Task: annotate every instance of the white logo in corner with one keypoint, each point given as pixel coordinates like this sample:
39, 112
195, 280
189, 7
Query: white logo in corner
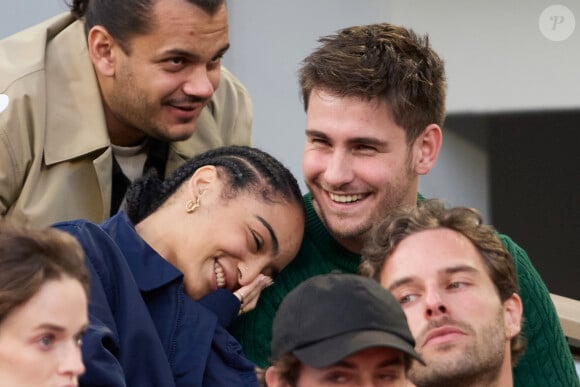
557, 23
4, 101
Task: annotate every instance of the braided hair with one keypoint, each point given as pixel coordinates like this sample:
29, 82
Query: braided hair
244, 168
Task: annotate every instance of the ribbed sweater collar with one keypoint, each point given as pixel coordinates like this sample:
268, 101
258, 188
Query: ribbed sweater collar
325, 243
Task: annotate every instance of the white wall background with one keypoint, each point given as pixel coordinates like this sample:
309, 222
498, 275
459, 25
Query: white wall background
17, 15
496, 59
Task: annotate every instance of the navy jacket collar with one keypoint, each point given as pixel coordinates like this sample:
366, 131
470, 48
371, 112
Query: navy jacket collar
150, 270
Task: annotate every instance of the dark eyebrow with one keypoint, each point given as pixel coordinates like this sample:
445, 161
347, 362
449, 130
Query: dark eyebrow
222, 50
355, 140
366, 141
460, 269
400, 282
315, 133
275, 245
189, 54
51, 327
447, 270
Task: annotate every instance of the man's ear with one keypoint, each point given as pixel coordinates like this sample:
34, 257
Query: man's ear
201, 180
273, 378
426, 149
513, 310
102, 50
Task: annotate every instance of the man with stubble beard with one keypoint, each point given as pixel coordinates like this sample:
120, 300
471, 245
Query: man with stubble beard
458, 287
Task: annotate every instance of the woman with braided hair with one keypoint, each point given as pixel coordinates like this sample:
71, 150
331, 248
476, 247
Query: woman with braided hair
227, 220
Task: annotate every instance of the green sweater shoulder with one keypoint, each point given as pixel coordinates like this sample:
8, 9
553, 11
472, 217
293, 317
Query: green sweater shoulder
547, 361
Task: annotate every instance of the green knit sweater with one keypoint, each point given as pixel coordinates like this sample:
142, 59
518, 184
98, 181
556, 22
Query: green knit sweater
546, 363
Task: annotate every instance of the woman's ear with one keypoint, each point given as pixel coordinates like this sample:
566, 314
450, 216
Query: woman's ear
102, 47
202, 179
513, 310
426, 149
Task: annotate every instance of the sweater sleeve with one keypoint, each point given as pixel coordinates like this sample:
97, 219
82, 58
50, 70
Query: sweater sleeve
547, 361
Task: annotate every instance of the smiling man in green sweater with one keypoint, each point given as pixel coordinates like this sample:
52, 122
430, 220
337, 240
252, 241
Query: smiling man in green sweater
375, 102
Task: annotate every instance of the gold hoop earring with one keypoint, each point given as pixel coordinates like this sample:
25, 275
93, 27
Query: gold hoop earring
190, 206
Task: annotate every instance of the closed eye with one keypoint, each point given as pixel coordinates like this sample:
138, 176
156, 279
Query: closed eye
319, 141
364, 147
257, 240
317, 137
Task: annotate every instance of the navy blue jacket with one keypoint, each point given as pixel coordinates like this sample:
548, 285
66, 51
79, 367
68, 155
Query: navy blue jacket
144, 330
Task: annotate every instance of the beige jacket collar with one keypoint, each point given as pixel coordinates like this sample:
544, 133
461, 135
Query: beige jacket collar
74, 110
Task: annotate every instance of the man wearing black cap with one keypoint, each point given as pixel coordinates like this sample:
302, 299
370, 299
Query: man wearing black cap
340, 329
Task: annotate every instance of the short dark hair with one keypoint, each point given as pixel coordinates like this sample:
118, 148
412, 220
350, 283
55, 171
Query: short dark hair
125, 18
383, 61
31, 257
432, 214
244, 168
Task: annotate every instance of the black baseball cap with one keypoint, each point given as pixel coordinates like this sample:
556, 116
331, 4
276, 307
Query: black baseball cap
332, 316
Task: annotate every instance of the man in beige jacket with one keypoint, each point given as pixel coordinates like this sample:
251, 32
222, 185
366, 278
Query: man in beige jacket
92, 99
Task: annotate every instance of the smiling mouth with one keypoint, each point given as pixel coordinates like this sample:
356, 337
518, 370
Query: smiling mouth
346, 198
186, 108
185, 103
219, 274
